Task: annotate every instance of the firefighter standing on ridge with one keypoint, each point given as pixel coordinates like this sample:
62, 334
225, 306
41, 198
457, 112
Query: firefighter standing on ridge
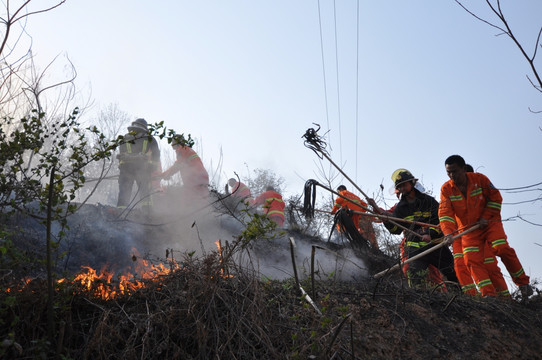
470, 198
273, 205
463, 273
417, 206
434, 275
139, 159
341, 202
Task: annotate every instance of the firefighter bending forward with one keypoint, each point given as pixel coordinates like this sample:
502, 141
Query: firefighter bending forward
273, 205
363, 226
139, 159
470, 198
193, 173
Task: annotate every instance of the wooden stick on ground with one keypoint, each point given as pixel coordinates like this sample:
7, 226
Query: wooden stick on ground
292, 253
303, 292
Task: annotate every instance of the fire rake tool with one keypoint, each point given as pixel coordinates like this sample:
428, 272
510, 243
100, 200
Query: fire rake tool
380, 216
314, 142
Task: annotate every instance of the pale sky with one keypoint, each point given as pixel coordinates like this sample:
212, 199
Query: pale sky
247, 78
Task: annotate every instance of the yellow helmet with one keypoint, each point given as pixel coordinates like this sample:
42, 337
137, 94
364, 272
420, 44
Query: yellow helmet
401, 176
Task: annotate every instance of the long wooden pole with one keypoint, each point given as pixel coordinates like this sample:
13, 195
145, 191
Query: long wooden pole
430, 250
384, 216
366, 208
343, 173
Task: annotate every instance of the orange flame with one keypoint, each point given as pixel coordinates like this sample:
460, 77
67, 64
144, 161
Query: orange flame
101, 284
105, 285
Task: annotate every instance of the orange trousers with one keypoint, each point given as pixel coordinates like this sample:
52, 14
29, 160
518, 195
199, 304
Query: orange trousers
464, 275
473, 245
365, 227
496, 239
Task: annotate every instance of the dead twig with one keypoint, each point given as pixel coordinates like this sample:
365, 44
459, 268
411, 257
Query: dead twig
449, 302
335, 334
309, 300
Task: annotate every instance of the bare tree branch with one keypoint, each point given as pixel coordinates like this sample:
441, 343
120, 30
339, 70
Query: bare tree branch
508, 31
35, 12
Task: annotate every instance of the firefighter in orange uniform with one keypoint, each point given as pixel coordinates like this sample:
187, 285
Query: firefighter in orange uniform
193, 174
273, 205
463, 273
470, 198
356, 204
239, 190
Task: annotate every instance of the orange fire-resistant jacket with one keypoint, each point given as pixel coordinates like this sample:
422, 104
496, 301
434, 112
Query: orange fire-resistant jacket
188, 162
272, 203
341, 202
482, 200
240, 190
356, 206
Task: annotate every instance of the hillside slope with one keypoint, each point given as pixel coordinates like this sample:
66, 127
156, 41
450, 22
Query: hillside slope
199, 313
209, 306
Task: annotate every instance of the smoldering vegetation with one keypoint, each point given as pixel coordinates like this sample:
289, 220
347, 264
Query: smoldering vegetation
103, 237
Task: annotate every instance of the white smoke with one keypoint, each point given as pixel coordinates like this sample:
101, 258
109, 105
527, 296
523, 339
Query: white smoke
273, 259
184, 223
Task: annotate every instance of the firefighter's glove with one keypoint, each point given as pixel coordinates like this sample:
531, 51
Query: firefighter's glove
483, 223
448, 239
426, 238
165, 177
373, 204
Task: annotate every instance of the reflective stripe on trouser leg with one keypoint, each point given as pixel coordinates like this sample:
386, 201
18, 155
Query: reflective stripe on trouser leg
496, 239
461, 270
509, 258
495, 275
474, 259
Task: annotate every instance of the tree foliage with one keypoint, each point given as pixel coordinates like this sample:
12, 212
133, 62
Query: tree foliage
33, 149
262, 179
